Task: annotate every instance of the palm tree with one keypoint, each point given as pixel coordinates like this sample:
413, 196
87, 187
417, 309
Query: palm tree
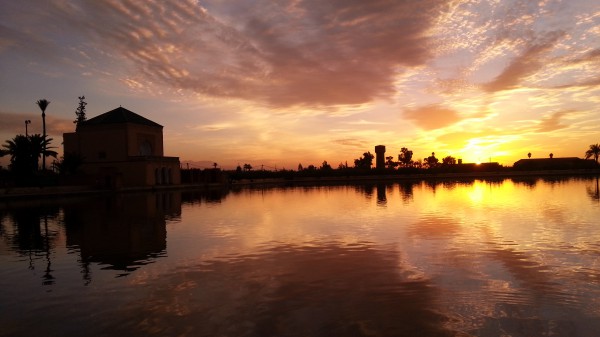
40, 147
594, 151
43, 104
25, 152
19, 150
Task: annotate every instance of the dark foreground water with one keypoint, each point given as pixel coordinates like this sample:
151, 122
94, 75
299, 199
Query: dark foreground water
474, 258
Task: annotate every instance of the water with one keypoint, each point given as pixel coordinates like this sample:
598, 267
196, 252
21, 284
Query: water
470, 258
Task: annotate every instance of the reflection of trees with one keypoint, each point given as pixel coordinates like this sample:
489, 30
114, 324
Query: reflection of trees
528, 182
215, 195
431, 184
553, 180
406, 190
31, 235
447, 184
366, 190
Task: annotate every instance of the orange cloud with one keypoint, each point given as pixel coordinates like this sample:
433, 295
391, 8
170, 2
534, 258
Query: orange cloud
299, 54
432, 117
552, 122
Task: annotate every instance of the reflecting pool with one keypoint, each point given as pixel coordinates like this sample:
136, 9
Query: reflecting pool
506, 257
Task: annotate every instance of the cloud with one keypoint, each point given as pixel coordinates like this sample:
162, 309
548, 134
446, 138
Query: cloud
527, 63
552, 122
14, 124
215, 127
308, 53
432, 116
593, 82
352, 142
365, 122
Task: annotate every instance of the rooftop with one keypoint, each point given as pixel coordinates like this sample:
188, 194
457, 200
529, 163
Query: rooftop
118, 116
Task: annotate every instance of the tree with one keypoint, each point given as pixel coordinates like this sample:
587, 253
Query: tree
43, 104
390, 163
366, 161
300, 168
325, 166
405, 157
247, 167
40, 147
19, 150
529, 155
70, 163
449, 160
593, 151
25, 152
80, 112
431, 161
551, 155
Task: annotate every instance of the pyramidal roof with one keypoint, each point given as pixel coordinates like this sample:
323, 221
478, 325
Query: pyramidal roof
118, 116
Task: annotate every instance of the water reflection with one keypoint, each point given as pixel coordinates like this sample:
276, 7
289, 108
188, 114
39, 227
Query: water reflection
529, 182
406, 190
121, 232
594, 191
382, 194
318, 289
30, 236
446, 258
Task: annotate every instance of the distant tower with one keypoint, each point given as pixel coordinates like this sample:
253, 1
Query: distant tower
380, 156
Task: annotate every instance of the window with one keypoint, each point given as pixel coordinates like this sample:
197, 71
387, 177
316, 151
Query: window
145, 148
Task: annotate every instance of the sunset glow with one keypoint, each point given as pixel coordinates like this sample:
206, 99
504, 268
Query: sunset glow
274, 84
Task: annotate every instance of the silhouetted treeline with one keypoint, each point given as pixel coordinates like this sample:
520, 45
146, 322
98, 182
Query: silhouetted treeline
313, 172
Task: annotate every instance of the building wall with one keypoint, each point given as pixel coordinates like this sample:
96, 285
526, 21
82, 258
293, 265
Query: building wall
100, 143
140, 137
138, 171
125, 154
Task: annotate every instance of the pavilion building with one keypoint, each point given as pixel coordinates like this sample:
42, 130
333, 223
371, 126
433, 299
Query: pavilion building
122, 149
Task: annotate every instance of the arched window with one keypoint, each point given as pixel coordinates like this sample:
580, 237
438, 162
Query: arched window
145, 148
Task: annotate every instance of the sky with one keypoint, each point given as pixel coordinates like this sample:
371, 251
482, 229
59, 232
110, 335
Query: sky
278, 83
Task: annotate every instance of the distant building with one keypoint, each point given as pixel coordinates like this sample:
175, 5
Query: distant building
567, 163
380, 156
122, 148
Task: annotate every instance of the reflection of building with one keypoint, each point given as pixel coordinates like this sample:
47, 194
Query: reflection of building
567, 163
380, 156
121, 232
122, 148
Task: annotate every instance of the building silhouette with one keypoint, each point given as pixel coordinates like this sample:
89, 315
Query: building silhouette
566, 163
120, 149
380, 156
